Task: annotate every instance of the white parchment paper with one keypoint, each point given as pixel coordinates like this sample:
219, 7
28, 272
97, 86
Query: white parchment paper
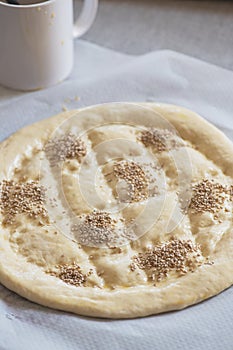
99, 76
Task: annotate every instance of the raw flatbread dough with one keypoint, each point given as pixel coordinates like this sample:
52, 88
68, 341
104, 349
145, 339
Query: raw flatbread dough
140, 172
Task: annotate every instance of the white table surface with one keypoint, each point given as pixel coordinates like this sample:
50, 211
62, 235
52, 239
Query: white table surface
203, 29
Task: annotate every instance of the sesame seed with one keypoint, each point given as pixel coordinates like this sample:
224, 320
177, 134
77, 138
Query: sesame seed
96, 229
175, 255
99, 219
133, 174
64, 107
70, 274
65, 147
160, 139
21, 198
208, 196
99, 229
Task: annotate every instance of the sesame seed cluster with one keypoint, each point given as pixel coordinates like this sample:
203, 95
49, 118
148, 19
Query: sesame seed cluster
21, 198
209, 196
175, 255
133, 174
161, 139
100, 219
99, 229
96, 229
71, 274
65, 147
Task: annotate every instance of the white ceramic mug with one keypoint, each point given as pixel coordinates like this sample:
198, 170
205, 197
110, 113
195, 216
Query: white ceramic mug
36, 41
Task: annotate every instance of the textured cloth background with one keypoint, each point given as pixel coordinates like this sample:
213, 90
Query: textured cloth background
100, 76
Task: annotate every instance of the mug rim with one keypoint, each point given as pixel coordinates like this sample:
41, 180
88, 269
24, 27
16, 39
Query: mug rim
39, 4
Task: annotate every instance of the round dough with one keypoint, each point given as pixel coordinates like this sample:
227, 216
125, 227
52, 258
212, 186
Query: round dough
113, 279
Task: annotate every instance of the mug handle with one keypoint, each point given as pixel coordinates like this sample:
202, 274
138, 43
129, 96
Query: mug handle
86, 18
